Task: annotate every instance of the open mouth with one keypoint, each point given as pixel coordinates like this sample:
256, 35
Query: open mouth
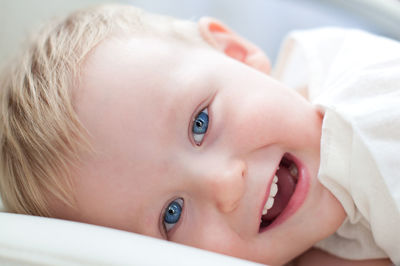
281, 191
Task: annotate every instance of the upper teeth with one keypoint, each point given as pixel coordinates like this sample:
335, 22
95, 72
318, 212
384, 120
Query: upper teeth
272, 192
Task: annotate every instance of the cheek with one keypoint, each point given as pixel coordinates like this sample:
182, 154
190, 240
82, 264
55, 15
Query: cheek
207, 229
294, 124
254, 121
217, 239
224, 241
329, 210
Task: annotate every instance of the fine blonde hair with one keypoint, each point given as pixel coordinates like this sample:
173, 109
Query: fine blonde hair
41, 135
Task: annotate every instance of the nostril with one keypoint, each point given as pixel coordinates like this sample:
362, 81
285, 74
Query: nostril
244, 171
244, 174
243, 168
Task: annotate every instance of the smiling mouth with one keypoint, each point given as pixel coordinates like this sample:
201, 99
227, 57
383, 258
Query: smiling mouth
281, 191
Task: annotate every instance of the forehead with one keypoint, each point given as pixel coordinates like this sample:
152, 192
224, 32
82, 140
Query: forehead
142, 66
121, 81
145, 61
136, 87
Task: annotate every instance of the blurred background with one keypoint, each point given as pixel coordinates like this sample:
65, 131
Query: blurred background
264, 22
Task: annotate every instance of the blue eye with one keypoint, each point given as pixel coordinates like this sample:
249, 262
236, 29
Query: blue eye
172, 214
200, 126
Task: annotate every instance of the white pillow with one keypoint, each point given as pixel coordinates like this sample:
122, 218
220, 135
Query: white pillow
30, 240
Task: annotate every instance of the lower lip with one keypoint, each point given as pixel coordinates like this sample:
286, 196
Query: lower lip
298, 197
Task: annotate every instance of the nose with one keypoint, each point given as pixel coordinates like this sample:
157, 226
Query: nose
226, 185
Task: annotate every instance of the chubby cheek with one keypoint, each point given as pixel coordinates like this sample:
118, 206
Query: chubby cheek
257, 120
224, 242
207, 229
215, 239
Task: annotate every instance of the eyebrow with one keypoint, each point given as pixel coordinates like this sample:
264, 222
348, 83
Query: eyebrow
182, 103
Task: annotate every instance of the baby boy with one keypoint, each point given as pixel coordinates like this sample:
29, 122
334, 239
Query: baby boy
177, 130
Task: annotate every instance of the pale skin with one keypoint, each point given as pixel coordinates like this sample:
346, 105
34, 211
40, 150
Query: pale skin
138, 98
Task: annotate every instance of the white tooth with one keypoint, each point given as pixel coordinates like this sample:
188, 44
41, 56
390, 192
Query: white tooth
265, 210
273, 190
269, 203
293, 170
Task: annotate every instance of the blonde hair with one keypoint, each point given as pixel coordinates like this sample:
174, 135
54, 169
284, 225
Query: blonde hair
41, 135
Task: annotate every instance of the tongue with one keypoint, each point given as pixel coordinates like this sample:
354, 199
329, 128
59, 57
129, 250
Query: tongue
286, 185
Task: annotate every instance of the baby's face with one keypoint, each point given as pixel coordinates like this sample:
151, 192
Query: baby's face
188, 143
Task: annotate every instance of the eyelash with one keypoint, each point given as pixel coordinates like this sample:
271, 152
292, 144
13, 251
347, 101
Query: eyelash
198, 121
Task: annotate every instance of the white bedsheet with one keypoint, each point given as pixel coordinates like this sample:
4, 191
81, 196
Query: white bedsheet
30, 240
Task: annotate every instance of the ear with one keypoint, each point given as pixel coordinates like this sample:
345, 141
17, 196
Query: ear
224, 39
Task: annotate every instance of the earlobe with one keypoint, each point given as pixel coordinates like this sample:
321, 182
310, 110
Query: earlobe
233, 45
